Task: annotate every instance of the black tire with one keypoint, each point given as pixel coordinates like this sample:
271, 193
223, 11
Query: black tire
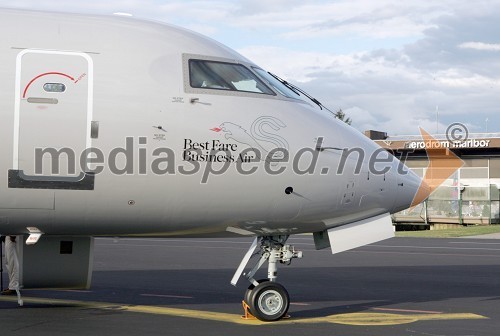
249, 290
269, 301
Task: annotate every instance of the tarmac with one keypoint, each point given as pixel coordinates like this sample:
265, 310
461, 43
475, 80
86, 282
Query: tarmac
401, 286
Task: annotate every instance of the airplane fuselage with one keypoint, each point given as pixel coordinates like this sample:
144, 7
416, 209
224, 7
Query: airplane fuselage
140, 147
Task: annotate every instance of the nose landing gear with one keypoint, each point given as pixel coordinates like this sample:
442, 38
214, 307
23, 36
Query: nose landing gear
266, 299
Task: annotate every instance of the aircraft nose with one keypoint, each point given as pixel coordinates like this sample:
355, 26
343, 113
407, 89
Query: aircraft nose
411, 191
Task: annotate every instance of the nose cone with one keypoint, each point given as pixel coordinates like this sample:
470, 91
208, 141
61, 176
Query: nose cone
411, 191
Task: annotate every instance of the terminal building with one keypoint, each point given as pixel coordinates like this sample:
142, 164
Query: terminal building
469, 197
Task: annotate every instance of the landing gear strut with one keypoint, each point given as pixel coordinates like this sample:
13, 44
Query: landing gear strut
267, 300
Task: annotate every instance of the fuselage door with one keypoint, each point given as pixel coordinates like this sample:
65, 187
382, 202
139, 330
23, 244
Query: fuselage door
53, 112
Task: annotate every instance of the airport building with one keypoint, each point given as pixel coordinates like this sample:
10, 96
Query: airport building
469, 196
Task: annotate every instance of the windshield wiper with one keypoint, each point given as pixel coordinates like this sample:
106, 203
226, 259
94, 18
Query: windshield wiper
284, 82
296, 90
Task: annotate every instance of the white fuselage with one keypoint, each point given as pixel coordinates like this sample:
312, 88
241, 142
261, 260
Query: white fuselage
128, 95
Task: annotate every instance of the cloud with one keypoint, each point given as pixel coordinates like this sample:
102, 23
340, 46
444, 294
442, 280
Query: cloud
294, 65
90, 6
387, 64
255, 7
480, 46
401, 86
353, 19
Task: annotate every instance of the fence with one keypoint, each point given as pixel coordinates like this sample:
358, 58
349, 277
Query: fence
465, 198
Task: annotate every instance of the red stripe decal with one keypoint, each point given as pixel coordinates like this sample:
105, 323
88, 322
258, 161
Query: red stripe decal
45, 74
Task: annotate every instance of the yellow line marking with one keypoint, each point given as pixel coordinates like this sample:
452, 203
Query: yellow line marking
359, 319
197, 314
156, 310
381, 319
395, 310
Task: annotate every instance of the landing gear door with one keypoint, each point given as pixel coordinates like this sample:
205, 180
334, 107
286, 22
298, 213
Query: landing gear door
53, 113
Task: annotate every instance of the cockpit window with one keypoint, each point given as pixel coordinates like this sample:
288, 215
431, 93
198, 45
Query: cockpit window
225, 76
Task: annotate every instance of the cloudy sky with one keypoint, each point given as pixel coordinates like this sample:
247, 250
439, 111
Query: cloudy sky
390, 65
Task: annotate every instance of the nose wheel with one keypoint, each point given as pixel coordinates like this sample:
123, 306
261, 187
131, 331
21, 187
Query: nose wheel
266, 299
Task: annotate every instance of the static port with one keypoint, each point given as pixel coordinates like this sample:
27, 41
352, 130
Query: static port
288, 190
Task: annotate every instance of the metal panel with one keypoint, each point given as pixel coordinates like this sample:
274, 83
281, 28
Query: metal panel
29, 199
46, 265
363, 232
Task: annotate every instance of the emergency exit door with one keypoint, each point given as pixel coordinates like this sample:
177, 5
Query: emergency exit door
53, 112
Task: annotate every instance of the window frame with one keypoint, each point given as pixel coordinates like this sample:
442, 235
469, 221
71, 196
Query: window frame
223, 92
232, 87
